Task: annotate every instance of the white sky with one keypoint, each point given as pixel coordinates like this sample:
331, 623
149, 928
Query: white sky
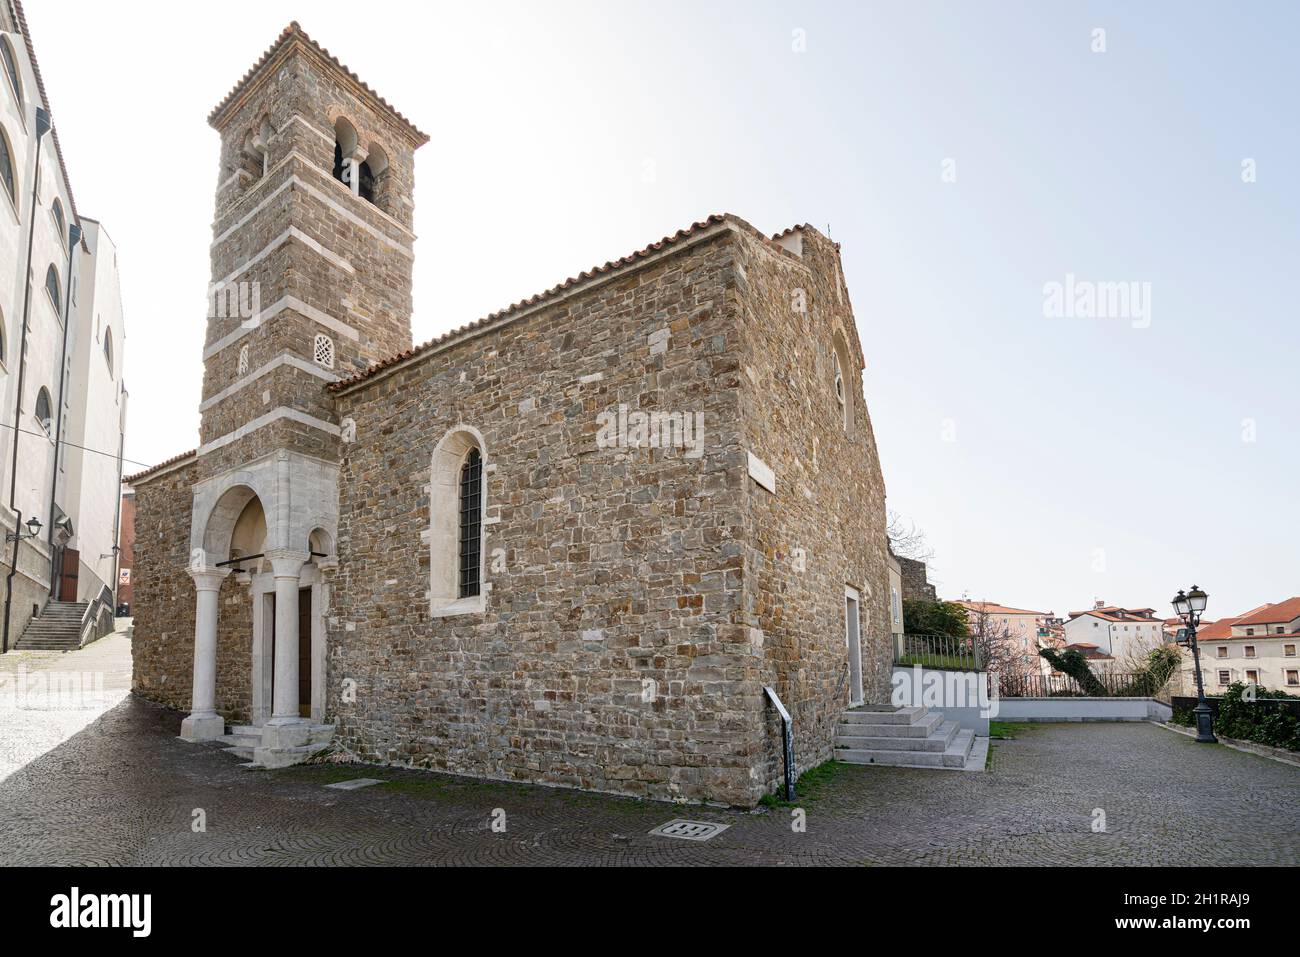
1091, 458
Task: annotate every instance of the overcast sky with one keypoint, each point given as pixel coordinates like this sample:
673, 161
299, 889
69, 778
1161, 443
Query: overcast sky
964, 155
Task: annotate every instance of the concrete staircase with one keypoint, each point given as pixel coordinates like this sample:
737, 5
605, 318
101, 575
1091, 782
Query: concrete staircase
903, 737
245, 741
58, 628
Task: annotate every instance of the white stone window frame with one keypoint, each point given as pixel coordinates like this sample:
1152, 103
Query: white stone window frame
442, 537
322, 351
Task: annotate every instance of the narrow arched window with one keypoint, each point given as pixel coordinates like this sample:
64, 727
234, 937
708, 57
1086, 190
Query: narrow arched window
7, 168
471, 524
11, 68
241, 367
52, 287
57, 210
44, 411
108, 349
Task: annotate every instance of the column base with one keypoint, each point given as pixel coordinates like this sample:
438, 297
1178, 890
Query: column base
289, 733
202, 727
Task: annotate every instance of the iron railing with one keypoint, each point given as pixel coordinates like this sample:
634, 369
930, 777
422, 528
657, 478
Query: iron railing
938, 651
1102, 685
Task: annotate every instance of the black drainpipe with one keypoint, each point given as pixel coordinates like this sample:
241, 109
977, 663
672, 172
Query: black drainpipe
42, 127
74, 237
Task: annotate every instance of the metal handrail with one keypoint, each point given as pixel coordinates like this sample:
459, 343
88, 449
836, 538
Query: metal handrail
939, 651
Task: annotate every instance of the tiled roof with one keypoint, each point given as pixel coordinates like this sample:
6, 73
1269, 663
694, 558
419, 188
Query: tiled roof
993, 608
592, 273
295, 33
1277, 614
130, 479
1116, 613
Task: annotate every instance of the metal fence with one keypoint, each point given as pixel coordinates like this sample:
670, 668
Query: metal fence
937, 651
1103, 685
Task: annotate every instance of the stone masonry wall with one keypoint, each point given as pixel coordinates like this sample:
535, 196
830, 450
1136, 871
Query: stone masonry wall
824, 527
915, 583
162, 648
610, 655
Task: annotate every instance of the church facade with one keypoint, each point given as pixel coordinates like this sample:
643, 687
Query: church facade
571, 543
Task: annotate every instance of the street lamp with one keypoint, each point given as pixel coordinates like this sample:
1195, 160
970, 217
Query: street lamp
1189, 606
33, 529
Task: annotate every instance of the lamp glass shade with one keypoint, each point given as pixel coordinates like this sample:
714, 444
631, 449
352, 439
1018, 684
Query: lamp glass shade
34, 526
1181, 604
1197, 599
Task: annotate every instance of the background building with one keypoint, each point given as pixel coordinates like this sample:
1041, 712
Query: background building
1257, 647
1127, 635
62, 398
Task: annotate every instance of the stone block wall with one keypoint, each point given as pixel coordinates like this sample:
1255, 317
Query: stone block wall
162, 648
610, 656
824, 526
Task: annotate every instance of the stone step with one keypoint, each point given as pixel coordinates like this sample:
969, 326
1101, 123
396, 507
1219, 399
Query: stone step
928, 724
899, 716
240, 752
956, 753
241, 740
939, 741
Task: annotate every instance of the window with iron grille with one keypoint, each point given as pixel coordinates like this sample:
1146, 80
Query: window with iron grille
471, 522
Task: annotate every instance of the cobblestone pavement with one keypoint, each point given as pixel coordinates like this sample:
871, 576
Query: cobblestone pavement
124, 790
48, 696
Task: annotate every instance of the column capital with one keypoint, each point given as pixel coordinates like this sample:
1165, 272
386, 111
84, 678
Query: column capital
287, 563
208, 577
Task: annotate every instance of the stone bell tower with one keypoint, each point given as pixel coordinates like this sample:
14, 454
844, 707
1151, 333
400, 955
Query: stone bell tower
311, 282
311, 253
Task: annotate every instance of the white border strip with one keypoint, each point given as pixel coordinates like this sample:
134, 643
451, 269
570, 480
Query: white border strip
287, 302
290, 360
275, 415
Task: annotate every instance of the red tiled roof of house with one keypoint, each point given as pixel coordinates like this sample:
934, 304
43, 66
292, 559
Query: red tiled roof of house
1116, 613
1281, 613
993, 608
295, 33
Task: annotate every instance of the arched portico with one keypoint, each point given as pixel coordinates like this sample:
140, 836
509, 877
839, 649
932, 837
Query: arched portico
243, 525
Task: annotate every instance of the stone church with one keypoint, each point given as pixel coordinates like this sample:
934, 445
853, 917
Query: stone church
570, 543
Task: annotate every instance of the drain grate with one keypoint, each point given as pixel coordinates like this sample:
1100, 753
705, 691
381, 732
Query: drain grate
690, 830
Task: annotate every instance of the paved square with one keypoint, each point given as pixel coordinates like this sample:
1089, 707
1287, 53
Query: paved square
123, 790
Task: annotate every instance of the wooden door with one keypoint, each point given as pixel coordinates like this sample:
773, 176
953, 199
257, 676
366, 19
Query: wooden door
304, 652
68, 572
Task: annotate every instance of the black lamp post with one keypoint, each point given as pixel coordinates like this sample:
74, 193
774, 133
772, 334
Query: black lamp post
1189, 607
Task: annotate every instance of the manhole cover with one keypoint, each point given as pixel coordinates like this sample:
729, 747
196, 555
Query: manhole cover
690, 830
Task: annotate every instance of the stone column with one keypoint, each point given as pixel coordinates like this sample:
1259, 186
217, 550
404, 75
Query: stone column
287, 726
354, 169
203, 723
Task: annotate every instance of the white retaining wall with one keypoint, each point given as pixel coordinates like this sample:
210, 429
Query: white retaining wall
1082, 709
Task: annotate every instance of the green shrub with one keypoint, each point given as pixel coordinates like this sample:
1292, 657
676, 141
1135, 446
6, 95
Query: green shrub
1259, 720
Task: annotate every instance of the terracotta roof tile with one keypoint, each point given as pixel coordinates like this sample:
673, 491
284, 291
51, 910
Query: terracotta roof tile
294, 32
128, 479
592, 273
1277, 614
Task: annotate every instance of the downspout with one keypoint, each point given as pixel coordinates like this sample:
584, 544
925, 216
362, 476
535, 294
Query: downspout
117, 516
74, 237
42, 127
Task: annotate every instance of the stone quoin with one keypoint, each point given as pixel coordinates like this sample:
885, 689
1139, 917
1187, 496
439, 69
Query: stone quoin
471, 577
